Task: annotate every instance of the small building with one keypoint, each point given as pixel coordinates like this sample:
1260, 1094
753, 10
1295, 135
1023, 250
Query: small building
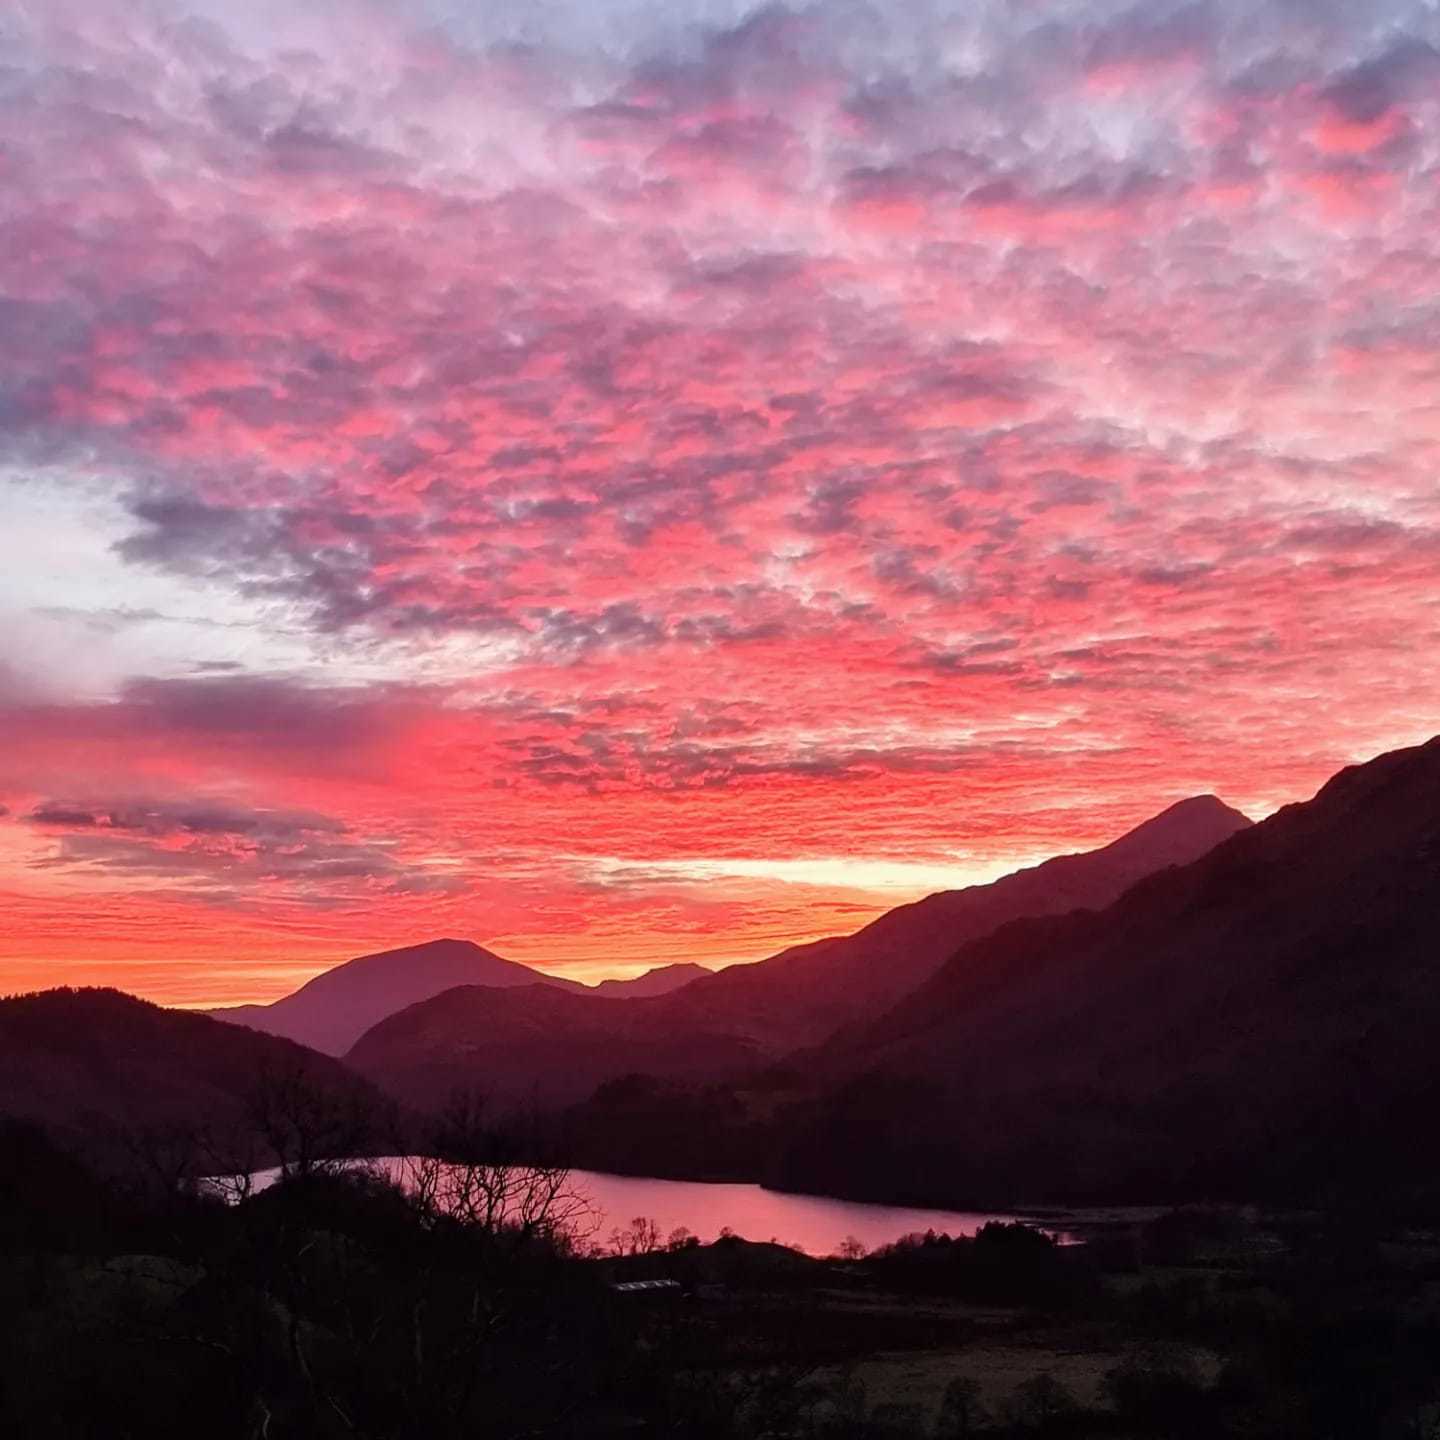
646, 1287
646, 1291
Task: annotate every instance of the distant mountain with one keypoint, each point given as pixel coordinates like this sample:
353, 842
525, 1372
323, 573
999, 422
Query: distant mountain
795, 998
659, 981
539, 1047
802, 995
556, 1050
333, 1010
84, 1064
1261, 1021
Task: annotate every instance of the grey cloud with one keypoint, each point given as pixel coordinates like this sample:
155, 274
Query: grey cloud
1175, 575
170, 817
62, 815
270, 710
619, 624
602, 760
270, 553
901, 569
1365, 91
316, 872
226, 849
1057, 489
829, 507
725, 629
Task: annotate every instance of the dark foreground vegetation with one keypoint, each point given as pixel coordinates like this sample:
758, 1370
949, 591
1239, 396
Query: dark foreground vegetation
475, 1301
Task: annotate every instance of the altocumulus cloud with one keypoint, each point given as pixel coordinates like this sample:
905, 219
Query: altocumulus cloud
1017, 418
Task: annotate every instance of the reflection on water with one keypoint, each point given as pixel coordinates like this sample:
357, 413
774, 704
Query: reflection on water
813, 1223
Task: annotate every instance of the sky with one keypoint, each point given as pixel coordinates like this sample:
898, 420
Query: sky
634, 483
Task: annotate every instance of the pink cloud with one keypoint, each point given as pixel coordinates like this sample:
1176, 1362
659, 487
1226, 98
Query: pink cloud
830, 436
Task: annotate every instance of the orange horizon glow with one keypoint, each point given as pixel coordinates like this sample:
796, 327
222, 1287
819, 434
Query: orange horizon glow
214, 958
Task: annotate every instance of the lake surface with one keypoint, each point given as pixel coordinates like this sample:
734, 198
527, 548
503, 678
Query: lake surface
815, 1224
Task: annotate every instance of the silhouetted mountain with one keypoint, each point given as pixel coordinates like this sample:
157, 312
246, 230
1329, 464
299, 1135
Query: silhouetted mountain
802, 995
796, 998
1259, 1021
555, 1051
538, 1046
85, 1064
333, 1010
659, 981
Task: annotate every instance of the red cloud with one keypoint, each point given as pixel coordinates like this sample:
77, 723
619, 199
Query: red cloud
829, 437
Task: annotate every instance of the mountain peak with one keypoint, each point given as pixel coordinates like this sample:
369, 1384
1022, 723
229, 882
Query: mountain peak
1284, 983
1197, 809
441, 945
1188, 828
332, 1010
1207, 801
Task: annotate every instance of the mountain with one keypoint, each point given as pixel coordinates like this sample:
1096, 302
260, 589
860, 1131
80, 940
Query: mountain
86, 1064
553, 1050
539, 1047
802, 995
332, 1011
1258, 1022
659, 981
795, 998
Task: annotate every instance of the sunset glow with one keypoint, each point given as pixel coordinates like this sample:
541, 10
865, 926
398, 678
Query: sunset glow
630, 484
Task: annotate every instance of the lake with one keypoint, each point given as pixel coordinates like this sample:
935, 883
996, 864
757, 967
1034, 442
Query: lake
815, 1224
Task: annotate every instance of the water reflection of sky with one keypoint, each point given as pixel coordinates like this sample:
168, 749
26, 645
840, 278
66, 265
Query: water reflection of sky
817, 1224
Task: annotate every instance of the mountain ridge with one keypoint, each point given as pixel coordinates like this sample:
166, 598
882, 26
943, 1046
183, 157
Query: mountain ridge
536, 1047
711, 1029
1254, 1019
898, 950
658, 980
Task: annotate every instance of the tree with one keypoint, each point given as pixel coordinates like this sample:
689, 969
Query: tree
641, 1238
471, 1174
309, 1126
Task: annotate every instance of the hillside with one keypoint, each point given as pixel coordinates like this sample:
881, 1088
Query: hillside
87, 1065
802, 995
537, 1046
1261, 1020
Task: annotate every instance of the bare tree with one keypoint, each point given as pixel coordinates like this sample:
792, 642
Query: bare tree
228, 1156
159, 1162
308, 1126
642, 1237
473, 1174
